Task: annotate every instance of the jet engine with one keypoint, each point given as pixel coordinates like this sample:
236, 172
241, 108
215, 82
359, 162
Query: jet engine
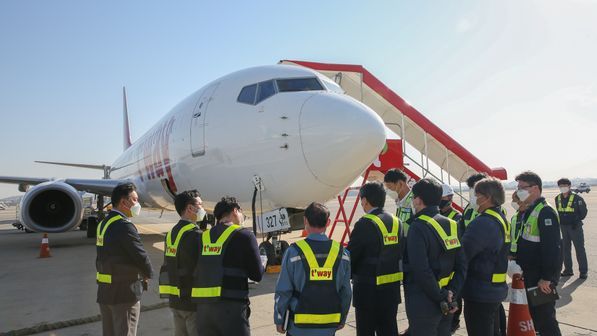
51, 207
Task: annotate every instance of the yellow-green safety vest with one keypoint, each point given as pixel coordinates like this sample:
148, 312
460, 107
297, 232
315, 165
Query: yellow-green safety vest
404, 215
102, 227
450, 241
388, 239
166, 286
568, 207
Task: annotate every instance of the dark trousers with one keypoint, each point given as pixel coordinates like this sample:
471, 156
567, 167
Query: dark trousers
223, 318
430, 326
544, 316
480, 317
372, 321
574, 236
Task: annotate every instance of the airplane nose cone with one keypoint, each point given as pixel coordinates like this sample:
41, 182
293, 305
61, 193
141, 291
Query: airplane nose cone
340, 138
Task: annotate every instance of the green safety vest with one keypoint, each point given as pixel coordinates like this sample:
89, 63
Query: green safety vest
403, 214
469, 215
530, 228
169, 284
102, 227
568, 207
513, 233
452, 214
319, 285
209, 285
451, 242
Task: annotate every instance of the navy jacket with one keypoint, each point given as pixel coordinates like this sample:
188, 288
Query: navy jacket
483, 241
580, 210
542, 257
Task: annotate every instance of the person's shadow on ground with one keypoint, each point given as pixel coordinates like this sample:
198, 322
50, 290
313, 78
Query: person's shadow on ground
566, 292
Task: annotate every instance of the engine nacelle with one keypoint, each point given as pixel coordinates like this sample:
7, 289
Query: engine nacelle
51, 207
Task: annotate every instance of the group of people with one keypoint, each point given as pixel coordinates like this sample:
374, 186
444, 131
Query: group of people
447, 262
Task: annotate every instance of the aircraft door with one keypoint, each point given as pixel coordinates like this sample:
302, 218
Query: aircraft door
198, 121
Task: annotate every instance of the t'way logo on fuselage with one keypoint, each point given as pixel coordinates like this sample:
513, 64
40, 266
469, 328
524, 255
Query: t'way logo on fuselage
321, 273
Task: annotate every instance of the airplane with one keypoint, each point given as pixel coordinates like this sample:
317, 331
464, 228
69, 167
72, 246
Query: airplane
2, 206
276, 137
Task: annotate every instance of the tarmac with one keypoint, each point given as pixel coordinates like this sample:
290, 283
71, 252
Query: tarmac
59, 293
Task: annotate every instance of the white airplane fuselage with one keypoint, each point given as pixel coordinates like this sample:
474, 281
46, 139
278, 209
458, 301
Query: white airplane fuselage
304, 145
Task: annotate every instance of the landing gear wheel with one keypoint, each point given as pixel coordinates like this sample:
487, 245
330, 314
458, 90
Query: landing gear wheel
268, 249
91, 227
83, 226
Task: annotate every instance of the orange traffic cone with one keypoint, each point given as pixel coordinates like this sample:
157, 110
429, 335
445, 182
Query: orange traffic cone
44, 252
520, 322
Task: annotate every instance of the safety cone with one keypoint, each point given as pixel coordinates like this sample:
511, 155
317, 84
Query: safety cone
44, 251
520, 322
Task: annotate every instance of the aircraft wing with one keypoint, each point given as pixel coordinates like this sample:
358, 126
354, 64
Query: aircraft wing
95, 186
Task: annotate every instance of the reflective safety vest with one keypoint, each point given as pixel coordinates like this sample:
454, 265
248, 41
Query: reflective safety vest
469, 215
500, 266
104, 264
516, 231
170, 273
450, 244
405, 211
452, 214
387, 265
210, 271
568, 208
530, 228
319, 304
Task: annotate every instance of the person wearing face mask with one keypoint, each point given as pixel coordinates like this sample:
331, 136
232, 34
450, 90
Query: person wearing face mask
445, 205
123, 267
539, 249
572, 210
180, 258
486, 244
470, 212
437, 267
516, 223
376, 247
228, 256
397, 188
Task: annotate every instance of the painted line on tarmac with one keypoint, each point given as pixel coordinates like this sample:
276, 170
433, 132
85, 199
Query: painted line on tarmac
70, 323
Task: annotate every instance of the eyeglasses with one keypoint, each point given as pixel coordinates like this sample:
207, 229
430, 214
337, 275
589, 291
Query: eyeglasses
526, 187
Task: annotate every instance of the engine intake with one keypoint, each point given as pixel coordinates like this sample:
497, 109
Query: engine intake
51, 207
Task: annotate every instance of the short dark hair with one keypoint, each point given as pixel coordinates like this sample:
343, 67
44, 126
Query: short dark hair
317, 215
564, 181
121, 191
185, 198
394, 175
471, 180
429, 191
492, 188
530, 178
225, 206
375, 194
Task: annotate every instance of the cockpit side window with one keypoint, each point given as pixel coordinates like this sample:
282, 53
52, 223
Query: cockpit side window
266, 90
299, 84
247, 94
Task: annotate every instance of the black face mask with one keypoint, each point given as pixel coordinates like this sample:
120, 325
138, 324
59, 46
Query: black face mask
444, 203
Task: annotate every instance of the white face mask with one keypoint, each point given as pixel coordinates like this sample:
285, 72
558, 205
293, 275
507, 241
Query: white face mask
201, 214
391, 194
564, 190
522, 194
135, 210
515, 206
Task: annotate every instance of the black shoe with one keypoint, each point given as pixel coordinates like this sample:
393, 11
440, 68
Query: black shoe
567, 273
583, 275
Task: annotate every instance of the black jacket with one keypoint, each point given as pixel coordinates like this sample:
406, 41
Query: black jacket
575, 218
186, 255
124, 255
542, 257
365, 244
426, 257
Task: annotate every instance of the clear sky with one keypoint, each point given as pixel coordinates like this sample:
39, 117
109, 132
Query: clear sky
514, 81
